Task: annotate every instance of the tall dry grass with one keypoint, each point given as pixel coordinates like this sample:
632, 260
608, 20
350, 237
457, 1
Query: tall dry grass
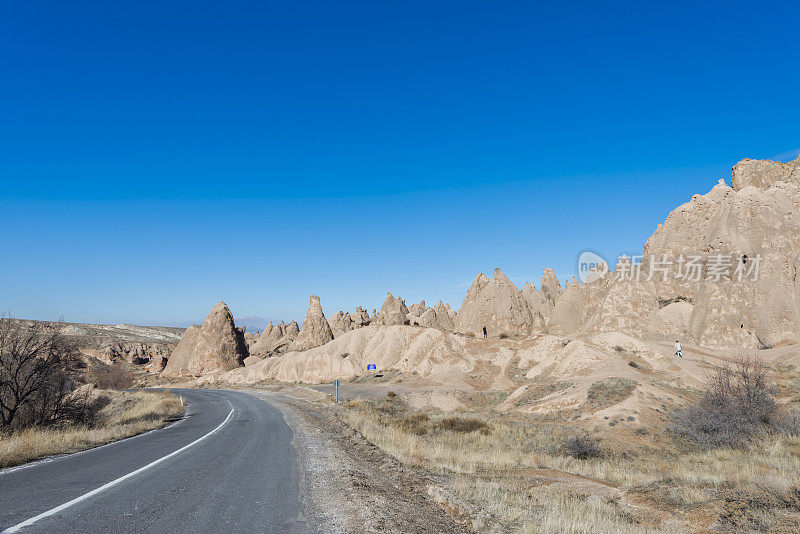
521, 474
128, 414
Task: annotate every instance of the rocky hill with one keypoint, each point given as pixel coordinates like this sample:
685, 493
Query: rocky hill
719, 273
138, 345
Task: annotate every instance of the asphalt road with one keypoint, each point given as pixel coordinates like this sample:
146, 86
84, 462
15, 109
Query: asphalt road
228, 466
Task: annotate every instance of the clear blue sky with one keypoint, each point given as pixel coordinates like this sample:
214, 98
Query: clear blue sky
156, 157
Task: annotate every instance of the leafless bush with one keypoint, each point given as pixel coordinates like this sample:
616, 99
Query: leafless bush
737, 405
37, 372
582, 447
115, 376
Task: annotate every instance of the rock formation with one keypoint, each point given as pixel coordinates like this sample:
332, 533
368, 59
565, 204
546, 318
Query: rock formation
748, 234
444, 316
316, 331
340, 323
551, 290
135, 353
393, 311
756, 220
360, 318
499, 306
763, 174
418, 309
216, 345
754, 223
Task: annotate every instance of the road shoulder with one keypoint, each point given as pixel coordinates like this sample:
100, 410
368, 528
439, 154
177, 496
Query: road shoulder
350, 485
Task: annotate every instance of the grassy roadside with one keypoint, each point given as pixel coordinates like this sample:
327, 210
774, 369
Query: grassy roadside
127, 414
520, 472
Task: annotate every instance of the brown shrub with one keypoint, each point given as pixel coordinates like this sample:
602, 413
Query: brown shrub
116, 376
738, 404
464, 425
792, 498
582, 447
416, 424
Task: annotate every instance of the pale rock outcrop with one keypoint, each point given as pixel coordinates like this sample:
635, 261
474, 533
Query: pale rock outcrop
422, 350
551, 290
393, 311
536, 301
216, 345
764, 173
499, 306
341, 322
418, 309
444, 316
757, 218
575, 306
316, 331
135, 353
671, 322
626, 307
252, 360
275, 338
292, 330
430, 319
360, 318
250, 339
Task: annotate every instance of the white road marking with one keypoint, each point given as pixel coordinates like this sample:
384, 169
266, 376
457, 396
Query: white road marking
104, 487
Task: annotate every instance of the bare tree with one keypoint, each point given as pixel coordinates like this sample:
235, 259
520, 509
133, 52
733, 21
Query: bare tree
37, 372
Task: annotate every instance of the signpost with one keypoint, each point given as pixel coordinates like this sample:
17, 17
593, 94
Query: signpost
371, 367
336, 385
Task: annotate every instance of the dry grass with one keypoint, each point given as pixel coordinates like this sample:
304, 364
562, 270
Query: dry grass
521, 474
609, 392
128, 414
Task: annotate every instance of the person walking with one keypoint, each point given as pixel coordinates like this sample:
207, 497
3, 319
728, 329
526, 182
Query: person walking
484, 333
678, 350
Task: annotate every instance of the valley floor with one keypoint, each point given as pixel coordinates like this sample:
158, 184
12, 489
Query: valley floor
510, 472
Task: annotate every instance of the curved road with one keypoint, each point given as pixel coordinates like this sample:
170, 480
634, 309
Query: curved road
228, 466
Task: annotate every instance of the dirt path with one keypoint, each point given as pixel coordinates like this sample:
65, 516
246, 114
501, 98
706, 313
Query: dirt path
350, 485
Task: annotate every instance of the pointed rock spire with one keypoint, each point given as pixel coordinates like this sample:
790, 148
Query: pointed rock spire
216, 345
316, 331
393, 311
498, 305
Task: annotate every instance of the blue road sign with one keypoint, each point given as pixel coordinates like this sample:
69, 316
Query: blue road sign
371, 367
